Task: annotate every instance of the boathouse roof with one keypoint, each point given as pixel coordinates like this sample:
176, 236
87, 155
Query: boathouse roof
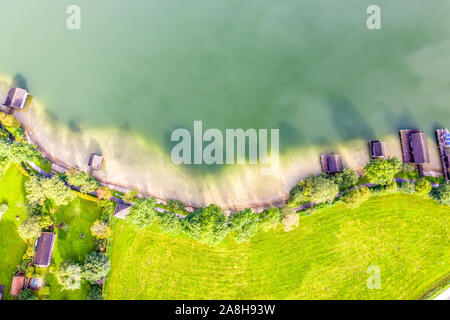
95, 161
44, 249
419, 148
377, 149
16, 98
331, 163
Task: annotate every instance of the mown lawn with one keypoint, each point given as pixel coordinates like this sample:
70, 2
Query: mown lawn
326, 257
12, 247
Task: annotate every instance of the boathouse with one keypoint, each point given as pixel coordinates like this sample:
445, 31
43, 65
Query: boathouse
331, 163
44, 249
95, 161
414, 146
377, 149
16, 98
18, 283
122, 210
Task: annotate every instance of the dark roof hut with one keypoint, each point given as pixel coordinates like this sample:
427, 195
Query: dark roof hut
95, 161
18, 282
16, 98
122, 210
44, 249
377, 149
331, 163
419, 148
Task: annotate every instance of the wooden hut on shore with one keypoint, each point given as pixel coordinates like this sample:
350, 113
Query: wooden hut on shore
16, 98
95, 161
18, 283
122, 210
443, 138
414, 148
44, 249
377, 149
331, 163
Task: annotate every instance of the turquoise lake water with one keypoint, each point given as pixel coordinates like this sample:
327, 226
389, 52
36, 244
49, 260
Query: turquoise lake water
310, 68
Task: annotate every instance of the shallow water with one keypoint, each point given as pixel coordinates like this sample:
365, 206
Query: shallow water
310, 68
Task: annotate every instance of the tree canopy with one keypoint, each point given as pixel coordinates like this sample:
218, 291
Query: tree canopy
382, 171
143, 213
39, 189
30, 228
69, 275
83, 180
244, 225
101, 230
96, 267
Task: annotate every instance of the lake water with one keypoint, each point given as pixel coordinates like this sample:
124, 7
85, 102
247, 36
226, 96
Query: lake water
310, 68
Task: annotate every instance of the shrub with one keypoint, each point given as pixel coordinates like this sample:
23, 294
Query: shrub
39, 189
143, 213
104, 193
407, 187
175, 205
83, 180
290, 219
26, 294
270, 219
208, 225
355, 197
9, 121
423, 187
443, 193
131, 196
100, 230
244, 225
382, 171
391, 186
69, 276
29, 229
95, 293
323, 189
170, 223
346, 179
96, 267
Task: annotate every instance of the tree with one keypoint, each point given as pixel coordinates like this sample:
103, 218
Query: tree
9, 121
391, 186
69, 275
355, 197
83, 180
207, 225
131, 196
323, 189
244, 225
301, 193
104, 193
175, 205
270, 219
345, 179
95, 293
407, 187
29, 229
443, 193
96, 267
26, 294
168, 222
289, 219
23, 152
423, 187
143, 213
382, 171
39, 189
100, 230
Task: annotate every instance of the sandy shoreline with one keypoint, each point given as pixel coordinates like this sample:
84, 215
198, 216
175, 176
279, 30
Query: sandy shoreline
131, 161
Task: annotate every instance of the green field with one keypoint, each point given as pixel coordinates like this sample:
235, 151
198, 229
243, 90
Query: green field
326, 257
78, 216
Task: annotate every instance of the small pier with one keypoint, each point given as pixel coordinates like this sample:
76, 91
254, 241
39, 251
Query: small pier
441, 135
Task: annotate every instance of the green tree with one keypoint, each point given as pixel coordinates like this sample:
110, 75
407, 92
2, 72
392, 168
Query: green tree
95, 293
131, 196
323, 189
355, 197
382, 171
26, 294
346, 179
168, 222
96, 267
175, 205
143, 213
100, 230
244, 225
69, 275
423, 187
104, 193
207, 225
391, 186
443, 193
83, 180
39, 189
407, 187
23, 152
270, 219
30, 228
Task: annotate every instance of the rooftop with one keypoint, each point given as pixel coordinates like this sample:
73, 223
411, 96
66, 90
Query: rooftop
16, 98
44, 249
122, 210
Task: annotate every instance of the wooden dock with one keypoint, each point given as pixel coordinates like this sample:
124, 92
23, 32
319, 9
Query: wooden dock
444, 156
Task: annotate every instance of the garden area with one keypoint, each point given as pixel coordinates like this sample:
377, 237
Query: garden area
325, 257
